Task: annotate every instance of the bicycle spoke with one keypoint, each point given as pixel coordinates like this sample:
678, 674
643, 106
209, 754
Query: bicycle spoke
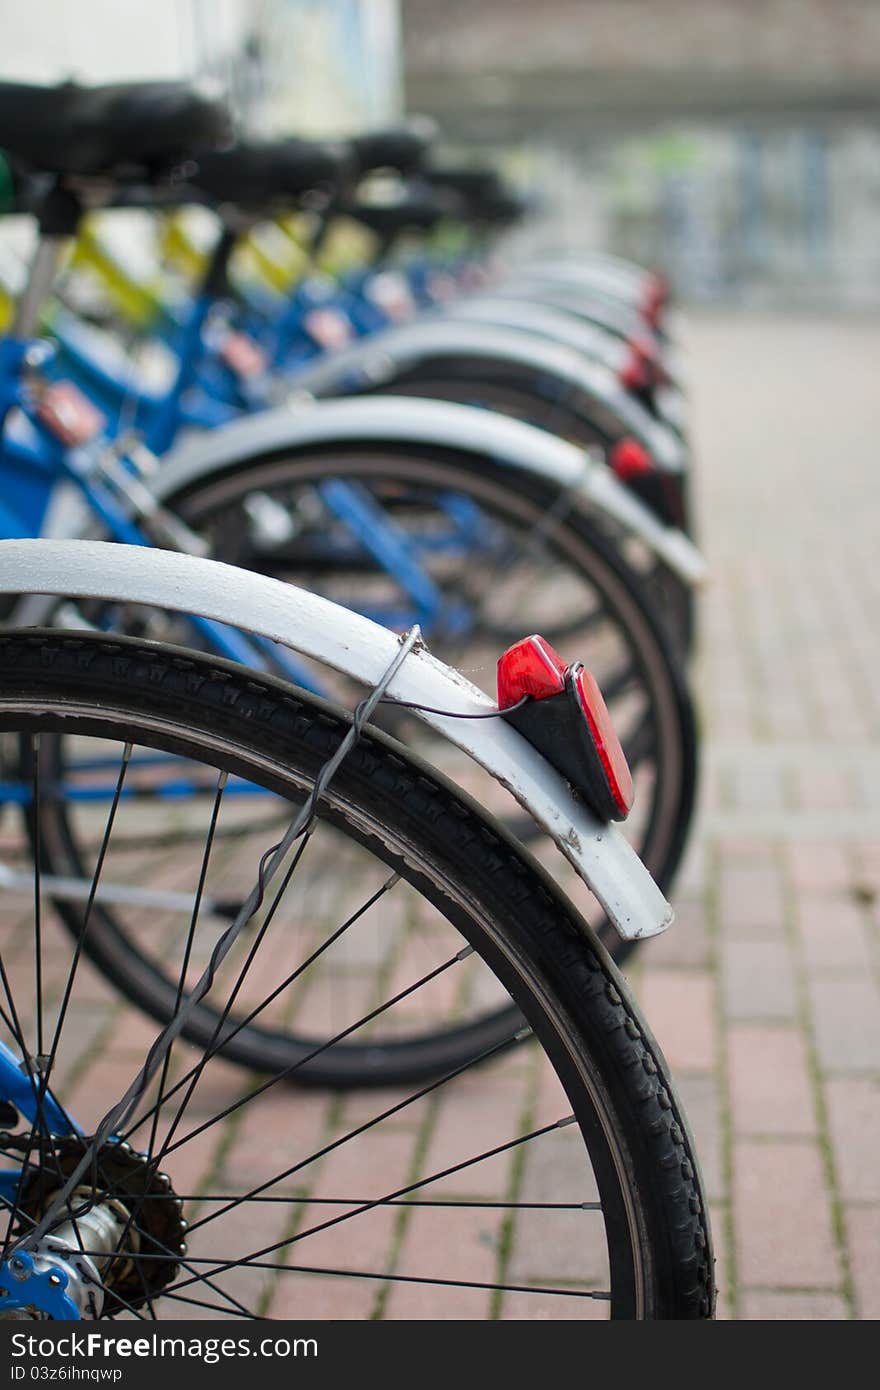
369, 1206
571, 1290
454, 1203
346, 1138
38, 896
38, 1088
121, 1113
190, 937
220, 1039
93, 888
324, 1047
212, 1307
603, 1295
213, 1049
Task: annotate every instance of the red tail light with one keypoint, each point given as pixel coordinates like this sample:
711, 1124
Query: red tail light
655, 300
68, 414
641, 369
530, 667
566, 719
605, 741
243, 356
629, 459
635, 374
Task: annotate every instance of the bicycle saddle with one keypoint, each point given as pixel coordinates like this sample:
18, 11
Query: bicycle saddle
135, 127
483, 194
402, 149
468, 181
417, 211
257, 172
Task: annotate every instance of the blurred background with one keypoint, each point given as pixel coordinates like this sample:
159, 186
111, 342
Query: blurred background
735, 143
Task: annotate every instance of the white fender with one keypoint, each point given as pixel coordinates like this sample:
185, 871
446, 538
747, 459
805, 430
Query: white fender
554, 322
386, 355
505, 311
408, 419
611, 274
362, 650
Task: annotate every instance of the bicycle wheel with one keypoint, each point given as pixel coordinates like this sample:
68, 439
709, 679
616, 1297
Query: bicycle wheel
574, 587
529, 558
291, 1210
586, 425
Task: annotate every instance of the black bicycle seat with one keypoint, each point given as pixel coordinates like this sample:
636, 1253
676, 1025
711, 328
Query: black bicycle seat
402, 149
468, 181
269, 171
108, 131
504, 208
415, 212
482, 193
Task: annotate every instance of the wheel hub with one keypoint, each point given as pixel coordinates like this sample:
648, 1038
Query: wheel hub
117, 1249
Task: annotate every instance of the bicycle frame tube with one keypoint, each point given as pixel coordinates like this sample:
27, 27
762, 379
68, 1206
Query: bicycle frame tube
351, 644
34, 468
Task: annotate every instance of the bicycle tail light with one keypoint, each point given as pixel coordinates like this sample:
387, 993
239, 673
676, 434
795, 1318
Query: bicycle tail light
559, 709
655, 299
629, 459
659, 490
642, 369
635, 373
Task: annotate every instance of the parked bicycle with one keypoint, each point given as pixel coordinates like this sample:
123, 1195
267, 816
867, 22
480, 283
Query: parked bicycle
103, 1221
404, 510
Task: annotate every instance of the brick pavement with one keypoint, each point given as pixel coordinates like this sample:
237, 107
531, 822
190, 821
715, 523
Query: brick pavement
765, 994
778, 905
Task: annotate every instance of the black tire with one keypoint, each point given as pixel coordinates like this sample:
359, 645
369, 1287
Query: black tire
581, 423
579, 537
213, 507
471, 871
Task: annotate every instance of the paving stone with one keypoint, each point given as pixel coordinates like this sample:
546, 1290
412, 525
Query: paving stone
686, 943
782, 1216
770, 1090
758, 980
846, 1017
863, 1243
766, 1305
679, 1006
854, 1122
834, 935
751, 902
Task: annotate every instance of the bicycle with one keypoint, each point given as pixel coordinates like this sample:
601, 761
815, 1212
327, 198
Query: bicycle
500, 350
432, 485
97, 1211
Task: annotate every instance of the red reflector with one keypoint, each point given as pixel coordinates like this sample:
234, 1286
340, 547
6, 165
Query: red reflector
329, 327
651, 368
635, 374
68, 414
529, 667
654, 302
605, 740
629, 459
243, 356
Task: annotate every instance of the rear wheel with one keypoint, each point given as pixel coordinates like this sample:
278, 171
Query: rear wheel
446, 1207
529, 553
530, 558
